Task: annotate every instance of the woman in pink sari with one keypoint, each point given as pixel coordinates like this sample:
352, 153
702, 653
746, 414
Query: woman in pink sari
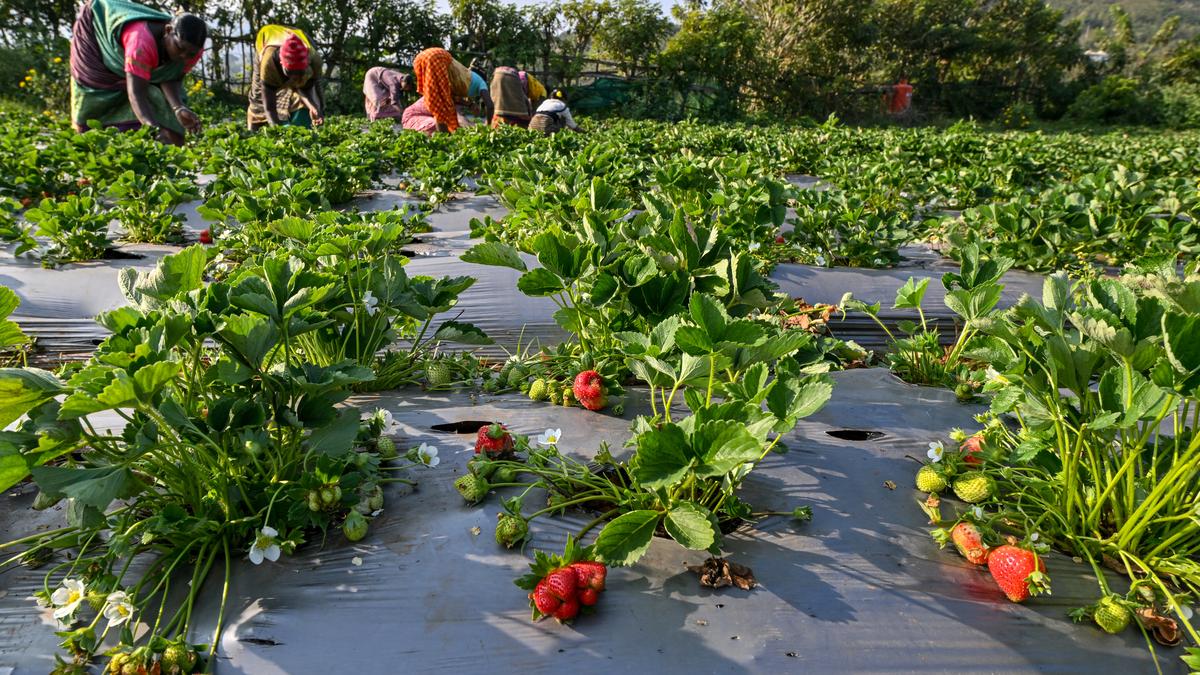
417, 117
383, 92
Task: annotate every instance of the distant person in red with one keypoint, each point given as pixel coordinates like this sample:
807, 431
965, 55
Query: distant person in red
901, 97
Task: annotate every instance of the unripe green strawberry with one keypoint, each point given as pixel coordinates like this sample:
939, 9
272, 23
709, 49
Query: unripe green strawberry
44, 501
515, 377
568, 398
375, 498
178, 659
484, 468
931, 479
974, 486
438, 374
1112, 615
553, 395
472, 488
386, 447
504, 475
355, 526
314, 500
510, 530
331, 495
538, 391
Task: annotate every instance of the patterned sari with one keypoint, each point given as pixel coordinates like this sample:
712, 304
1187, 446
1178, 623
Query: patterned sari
441, 81
98, 89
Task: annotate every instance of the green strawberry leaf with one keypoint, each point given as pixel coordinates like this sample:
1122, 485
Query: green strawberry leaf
625, 540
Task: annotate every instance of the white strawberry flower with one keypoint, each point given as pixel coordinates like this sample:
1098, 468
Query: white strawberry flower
820, 260
383, 417
428, 455
993, 376
264, 547
754, 246
66, 598
370, 303
118, 608
1033, 537
977, 511
936, 451
549, 437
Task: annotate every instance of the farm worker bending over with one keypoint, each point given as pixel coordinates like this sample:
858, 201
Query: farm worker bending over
553, 115
515, 95
127, 62
286, 62
383, 90
417, 117
441, 81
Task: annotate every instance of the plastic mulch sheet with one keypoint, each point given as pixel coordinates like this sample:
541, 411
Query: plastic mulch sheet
862, 588
58, 306
818, 285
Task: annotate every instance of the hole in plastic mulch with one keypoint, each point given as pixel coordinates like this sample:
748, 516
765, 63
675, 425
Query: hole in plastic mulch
855, 434
463, 427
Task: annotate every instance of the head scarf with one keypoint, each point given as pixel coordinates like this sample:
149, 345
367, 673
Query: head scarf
293, 55
431, 68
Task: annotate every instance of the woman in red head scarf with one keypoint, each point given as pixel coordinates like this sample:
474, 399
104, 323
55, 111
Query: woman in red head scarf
286, 62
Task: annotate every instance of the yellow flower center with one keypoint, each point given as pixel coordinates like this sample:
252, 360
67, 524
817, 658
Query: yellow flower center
74, 597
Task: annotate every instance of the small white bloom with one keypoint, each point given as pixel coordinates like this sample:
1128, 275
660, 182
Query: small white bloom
428, 454
549, 437
754, 245
977, 511
66, 598
936, 451
264, 547
118, 609
820, 260
1033, 537
370, 303
383, 417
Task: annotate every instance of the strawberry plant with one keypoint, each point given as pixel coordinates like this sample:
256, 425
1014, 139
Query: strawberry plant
146, 207
14, 343
234, 445
76, 226
1091, 432
919, 356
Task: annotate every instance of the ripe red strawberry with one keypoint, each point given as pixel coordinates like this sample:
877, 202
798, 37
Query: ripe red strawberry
205, 236
588, 597
972, 449
561, 583
1019, 572
568, 610
545, 601
780, 240
493, 440
591, 574
969, 543
589, 390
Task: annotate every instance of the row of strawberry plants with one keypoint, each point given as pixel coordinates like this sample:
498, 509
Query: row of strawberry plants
1089, 446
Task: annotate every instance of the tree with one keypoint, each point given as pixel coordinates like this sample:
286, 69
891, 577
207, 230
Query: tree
633, 34
717, 47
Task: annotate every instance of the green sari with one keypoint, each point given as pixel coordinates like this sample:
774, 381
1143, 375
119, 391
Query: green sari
98, 88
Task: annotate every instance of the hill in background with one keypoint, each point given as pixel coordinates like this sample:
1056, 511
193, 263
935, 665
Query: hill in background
1147, 15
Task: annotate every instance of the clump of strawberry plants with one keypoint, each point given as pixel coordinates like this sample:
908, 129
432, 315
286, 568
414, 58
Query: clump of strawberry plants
234, 445
919, 356
1091, 436
146, 207
76, 226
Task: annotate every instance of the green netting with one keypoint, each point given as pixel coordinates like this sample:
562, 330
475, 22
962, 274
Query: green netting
600, 95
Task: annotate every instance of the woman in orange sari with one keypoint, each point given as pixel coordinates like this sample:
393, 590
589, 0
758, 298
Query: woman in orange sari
441, 81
